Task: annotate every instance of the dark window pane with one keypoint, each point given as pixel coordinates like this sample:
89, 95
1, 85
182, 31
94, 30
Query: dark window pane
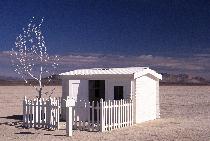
96, 90
118, 92
97, 93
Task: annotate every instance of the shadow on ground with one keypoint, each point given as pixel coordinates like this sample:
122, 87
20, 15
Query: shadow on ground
15, 117
17, 121
25, 133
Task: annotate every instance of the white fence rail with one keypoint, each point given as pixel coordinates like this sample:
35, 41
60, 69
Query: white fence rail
41, 113
103, 115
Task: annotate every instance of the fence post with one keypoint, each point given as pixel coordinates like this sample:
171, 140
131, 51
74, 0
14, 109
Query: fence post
102, 122
132, 113
69, 105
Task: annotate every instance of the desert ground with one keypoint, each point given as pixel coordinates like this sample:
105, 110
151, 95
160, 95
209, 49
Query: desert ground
185, 116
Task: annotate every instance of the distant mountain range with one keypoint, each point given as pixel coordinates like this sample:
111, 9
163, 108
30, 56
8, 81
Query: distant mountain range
168, 79
182, 79
5, 81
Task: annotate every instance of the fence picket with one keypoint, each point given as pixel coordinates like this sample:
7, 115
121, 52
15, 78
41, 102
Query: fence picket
58, 116
35, 113
110, 128
105, 114
97, 112
92, 116
30, 114
88, 113
27, 113
24, 111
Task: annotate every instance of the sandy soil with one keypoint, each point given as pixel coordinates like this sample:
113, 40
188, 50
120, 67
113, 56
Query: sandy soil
185, 116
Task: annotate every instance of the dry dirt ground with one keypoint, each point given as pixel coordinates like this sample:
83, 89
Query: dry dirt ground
185, 116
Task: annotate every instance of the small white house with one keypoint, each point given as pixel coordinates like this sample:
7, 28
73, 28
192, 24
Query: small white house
140, 84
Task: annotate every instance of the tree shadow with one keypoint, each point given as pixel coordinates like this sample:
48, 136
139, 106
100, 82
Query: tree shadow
15, 117
17, 121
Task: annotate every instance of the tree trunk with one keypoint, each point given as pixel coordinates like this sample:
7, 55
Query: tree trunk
40, 93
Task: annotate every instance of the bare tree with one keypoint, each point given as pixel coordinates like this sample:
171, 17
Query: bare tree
30, 58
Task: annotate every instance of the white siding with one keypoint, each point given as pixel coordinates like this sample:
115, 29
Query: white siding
82, 92
109, 88
69, 88
157, 100
145, 99
145, 94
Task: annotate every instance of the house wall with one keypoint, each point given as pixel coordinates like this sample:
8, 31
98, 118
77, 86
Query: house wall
145, 93
69, 88
109, 88
78, 90
65, 91
157, 100
145, 99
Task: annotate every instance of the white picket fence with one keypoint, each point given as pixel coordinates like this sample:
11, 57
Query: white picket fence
116, 114
90, 116
41, 113
103, 116
86, 116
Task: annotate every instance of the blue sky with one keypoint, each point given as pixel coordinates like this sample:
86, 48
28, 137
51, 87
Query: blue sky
167, 35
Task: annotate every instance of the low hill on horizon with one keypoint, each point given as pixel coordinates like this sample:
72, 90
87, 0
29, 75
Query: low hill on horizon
168, 79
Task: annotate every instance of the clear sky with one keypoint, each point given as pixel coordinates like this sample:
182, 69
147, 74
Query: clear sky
167, 35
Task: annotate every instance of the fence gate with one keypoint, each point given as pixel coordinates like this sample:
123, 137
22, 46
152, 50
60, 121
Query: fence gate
41, 113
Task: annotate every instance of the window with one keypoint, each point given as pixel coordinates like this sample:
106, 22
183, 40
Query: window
96, 90
118, 92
